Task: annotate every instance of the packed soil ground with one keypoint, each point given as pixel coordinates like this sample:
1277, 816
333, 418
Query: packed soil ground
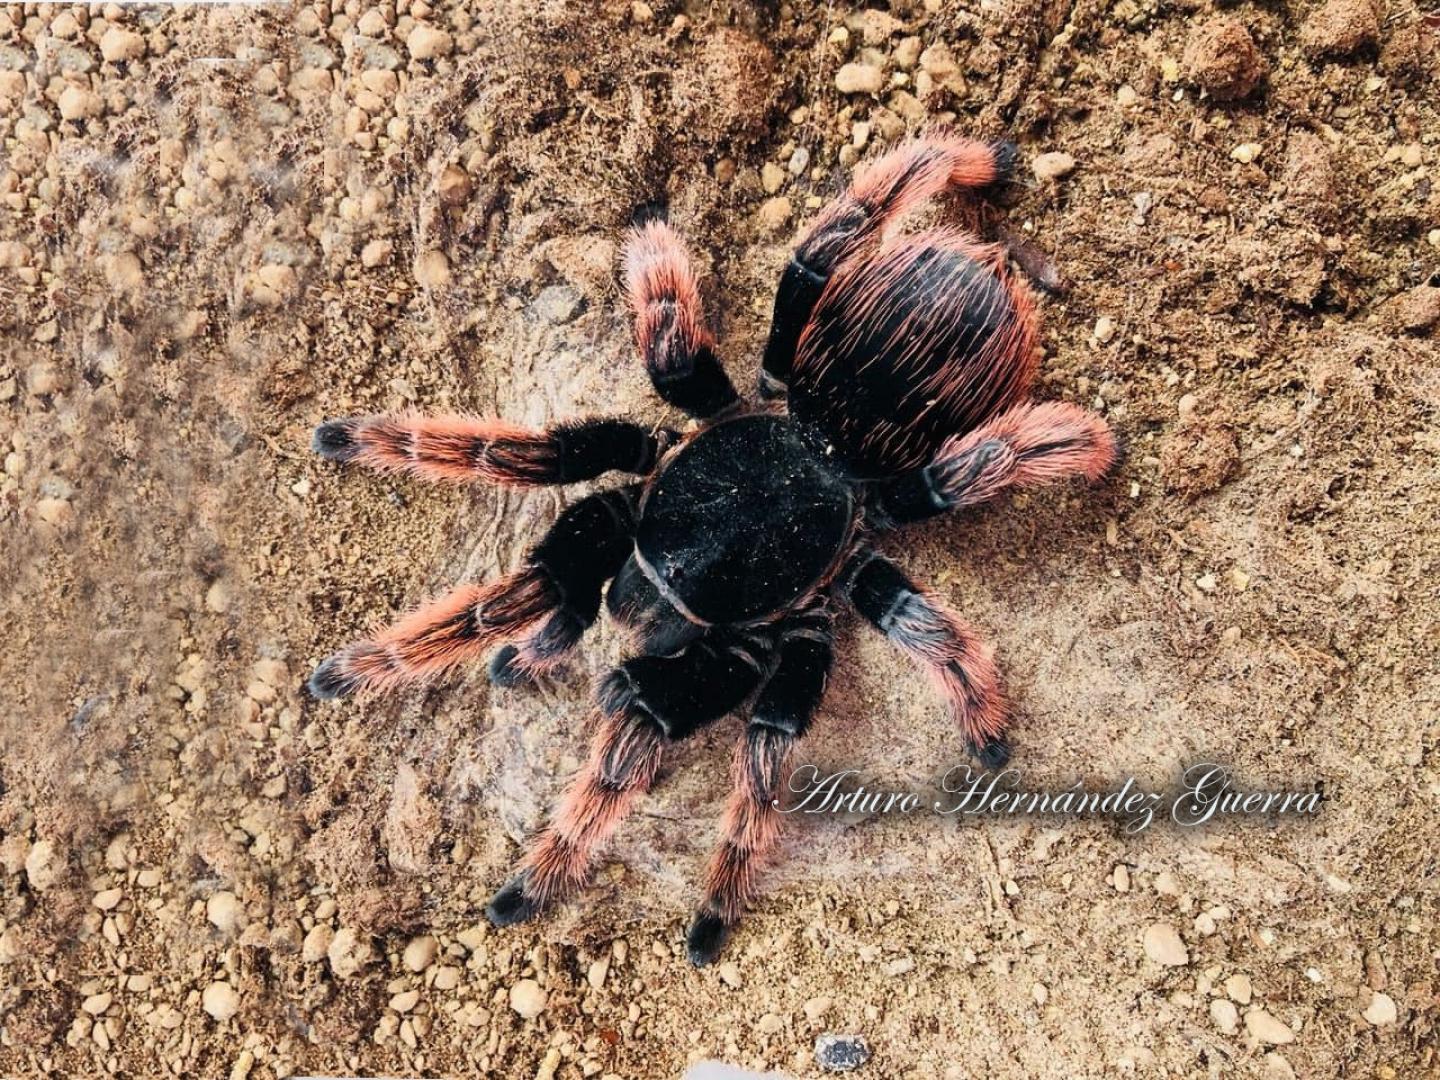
224, 224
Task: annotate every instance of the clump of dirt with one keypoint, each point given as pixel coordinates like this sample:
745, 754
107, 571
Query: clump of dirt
1222, 59
225, 224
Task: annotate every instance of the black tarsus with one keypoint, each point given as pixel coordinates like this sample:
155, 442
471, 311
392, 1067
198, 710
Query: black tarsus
707, 936
510, 906
334, 440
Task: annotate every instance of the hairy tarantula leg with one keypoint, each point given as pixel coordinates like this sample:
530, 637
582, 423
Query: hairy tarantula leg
669, 325
1031, 444
466, 448
557, 592
585, 548
643, 704
780, 719
434, 638
881, 193
961, 665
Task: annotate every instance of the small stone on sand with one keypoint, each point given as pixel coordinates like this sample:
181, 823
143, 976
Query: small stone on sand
1053, 166
1163, 945
220, 1000
527, 998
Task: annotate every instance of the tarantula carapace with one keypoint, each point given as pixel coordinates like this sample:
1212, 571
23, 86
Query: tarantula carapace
907, 362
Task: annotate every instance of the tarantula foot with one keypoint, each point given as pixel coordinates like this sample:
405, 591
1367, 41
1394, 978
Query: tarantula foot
334, 440
330, 681
1122, 455
1007, 157
995, 754
505, 672
707, 936
510, 905
653, 210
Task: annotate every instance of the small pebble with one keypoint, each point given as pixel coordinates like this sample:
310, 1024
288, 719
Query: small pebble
376, 253
1104, 330
730, 975
404, 1001
1381, 1011
595, 974
1245, 153
107, 898
772, 177
118, 44
1267, 1029
841, 1053
79, 104
316, 943
859, 79
220, 1000
1237, 988
1225, 1015
1053, 166
432, 269
817, 1007
427, 42
96, 1004
1163, 945
349, 953
773, 214
217, 597
225, 912
446, 978
420, 953
527, 998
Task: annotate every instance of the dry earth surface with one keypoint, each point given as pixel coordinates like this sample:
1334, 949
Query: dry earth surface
221, 225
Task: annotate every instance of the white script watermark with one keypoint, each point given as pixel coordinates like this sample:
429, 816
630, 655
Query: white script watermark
1207, 793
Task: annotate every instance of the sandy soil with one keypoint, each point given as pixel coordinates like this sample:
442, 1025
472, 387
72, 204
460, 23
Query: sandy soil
223, 225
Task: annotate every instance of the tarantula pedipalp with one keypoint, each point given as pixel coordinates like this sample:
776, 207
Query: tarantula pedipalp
907, 362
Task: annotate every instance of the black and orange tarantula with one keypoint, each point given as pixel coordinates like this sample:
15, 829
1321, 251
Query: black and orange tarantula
907, 362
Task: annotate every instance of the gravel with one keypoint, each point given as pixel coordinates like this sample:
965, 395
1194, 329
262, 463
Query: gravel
841, 1053
1267, 1029
1053, 165
1381, 1010
527, 998
220, 1000
1163, 945
420, 952
225, 912
860, 79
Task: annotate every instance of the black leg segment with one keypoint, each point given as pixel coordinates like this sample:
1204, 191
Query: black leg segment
585, 547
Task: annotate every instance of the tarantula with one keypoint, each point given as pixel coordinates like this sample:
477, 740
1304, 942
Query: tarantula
907, 362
